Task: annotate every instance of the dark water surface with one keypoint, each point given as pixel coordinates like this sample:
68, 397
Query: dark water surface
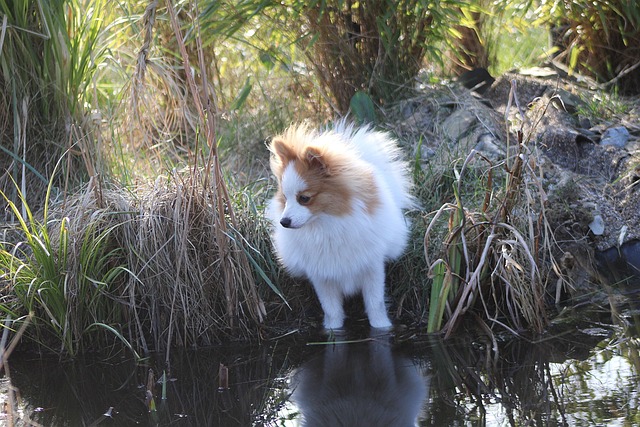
584, 372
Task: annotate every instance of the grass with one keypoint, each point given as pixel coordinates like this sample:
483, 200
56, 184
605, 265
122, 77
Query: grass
597, 38
495, 249
72, 272
63, 270
50, 54
605, 107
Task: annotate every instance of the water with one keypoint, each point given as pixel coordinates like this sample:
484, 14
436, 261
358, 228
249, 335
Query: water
584, 372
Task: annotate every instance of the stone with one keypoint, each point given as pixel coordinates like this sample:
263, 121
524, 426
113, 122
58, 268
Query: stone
458, 124
489, 147
597, 225
616, 136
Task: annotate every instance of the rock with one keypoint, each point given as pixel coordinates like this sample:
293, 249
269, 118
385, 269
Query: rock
597, 225
631, 254
423, 152
620, 264
489, 147
616, 136
458, 124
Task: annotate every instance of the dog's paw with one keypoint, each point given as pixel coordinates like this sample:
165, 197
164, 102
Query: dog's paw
333, 325
382, 323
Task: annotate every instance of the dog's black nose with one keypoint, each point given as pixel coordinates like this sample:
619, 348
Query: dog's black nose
285, 222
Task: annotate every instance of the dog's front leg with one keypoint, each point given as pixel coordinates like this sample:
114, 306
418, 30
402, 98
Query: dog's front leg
331, 298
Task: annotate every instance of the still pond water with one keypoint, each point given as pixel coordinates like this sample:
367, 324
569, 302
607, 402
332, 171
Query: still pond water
585, 372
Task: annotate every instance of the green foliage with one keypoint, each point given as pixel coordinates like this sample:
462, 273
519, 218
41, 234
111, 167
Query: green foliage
447, 273
66, 291
600, 38
362, 108
50, 53
500, 36
604, 107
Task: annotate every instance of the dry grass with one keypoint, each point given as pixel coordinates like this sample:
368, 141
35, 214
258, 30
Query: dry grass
153, 266
488, 246
376, 47
162, 267
196, 220
191, 279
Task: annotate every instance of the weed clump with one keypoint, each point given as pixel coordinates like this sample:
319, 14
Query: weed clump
154, 270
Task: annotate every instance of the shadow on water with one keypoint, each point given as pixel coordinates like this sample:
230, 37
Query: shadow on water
584, 372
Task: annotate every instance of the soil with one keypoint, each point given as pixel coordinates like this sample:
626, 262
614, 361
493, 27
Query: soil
588, 176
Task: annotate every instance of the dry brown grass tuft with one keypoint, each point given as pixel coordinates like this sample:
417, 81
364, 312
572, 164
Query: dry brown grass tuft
190, 279
488, 246
155, 268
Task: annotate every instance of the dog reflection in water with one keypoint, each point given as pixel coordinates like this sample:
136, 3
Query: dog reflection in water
359, 384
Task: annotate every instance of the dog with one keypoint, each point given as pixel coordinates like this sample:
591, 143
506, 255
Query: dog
338, 213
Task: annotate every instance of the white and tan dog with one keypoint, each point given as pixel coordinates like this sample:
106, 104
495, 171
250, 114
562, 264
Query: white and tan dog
338, 213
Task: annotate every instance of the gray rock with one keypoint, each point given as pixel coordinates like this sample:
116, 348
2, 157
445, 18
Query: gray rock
597, 225
459, 123
489, 147
616, 136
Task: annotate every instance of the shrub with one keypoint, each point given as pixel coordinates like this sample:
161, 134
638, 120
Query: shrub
373, 46
599, 38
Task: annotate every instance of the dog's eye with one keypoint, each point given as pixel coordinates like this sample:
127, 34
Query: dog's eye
303, 199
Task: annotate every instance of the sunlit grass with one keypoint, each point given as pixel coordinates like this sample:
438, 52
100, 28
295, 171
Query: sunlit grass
63, 272
604, 107
521, 48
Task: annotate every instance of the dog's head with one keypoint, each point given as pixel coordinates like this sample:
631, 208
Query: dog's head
318, 175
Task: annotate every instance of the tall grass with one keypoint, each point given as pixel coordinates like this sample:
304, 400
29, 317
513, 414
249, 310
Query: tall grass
66, 270
599, 38
50, 52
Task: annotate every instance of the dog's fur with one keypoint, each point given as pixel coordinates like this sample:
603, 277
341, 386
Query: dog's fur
338, 213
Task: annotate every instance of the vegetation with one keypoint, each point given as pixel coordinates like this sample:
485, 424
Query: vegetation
488, 256
600, 38
50, 55
150, 231
374, 46
65, 274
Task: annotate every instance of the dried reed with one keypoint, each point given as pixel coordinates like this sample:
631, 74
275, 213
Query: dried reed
492, 257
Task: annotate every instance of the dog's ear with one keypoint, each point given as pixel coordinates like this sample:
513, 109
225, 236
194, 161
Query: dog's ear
316, 160
282, 150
